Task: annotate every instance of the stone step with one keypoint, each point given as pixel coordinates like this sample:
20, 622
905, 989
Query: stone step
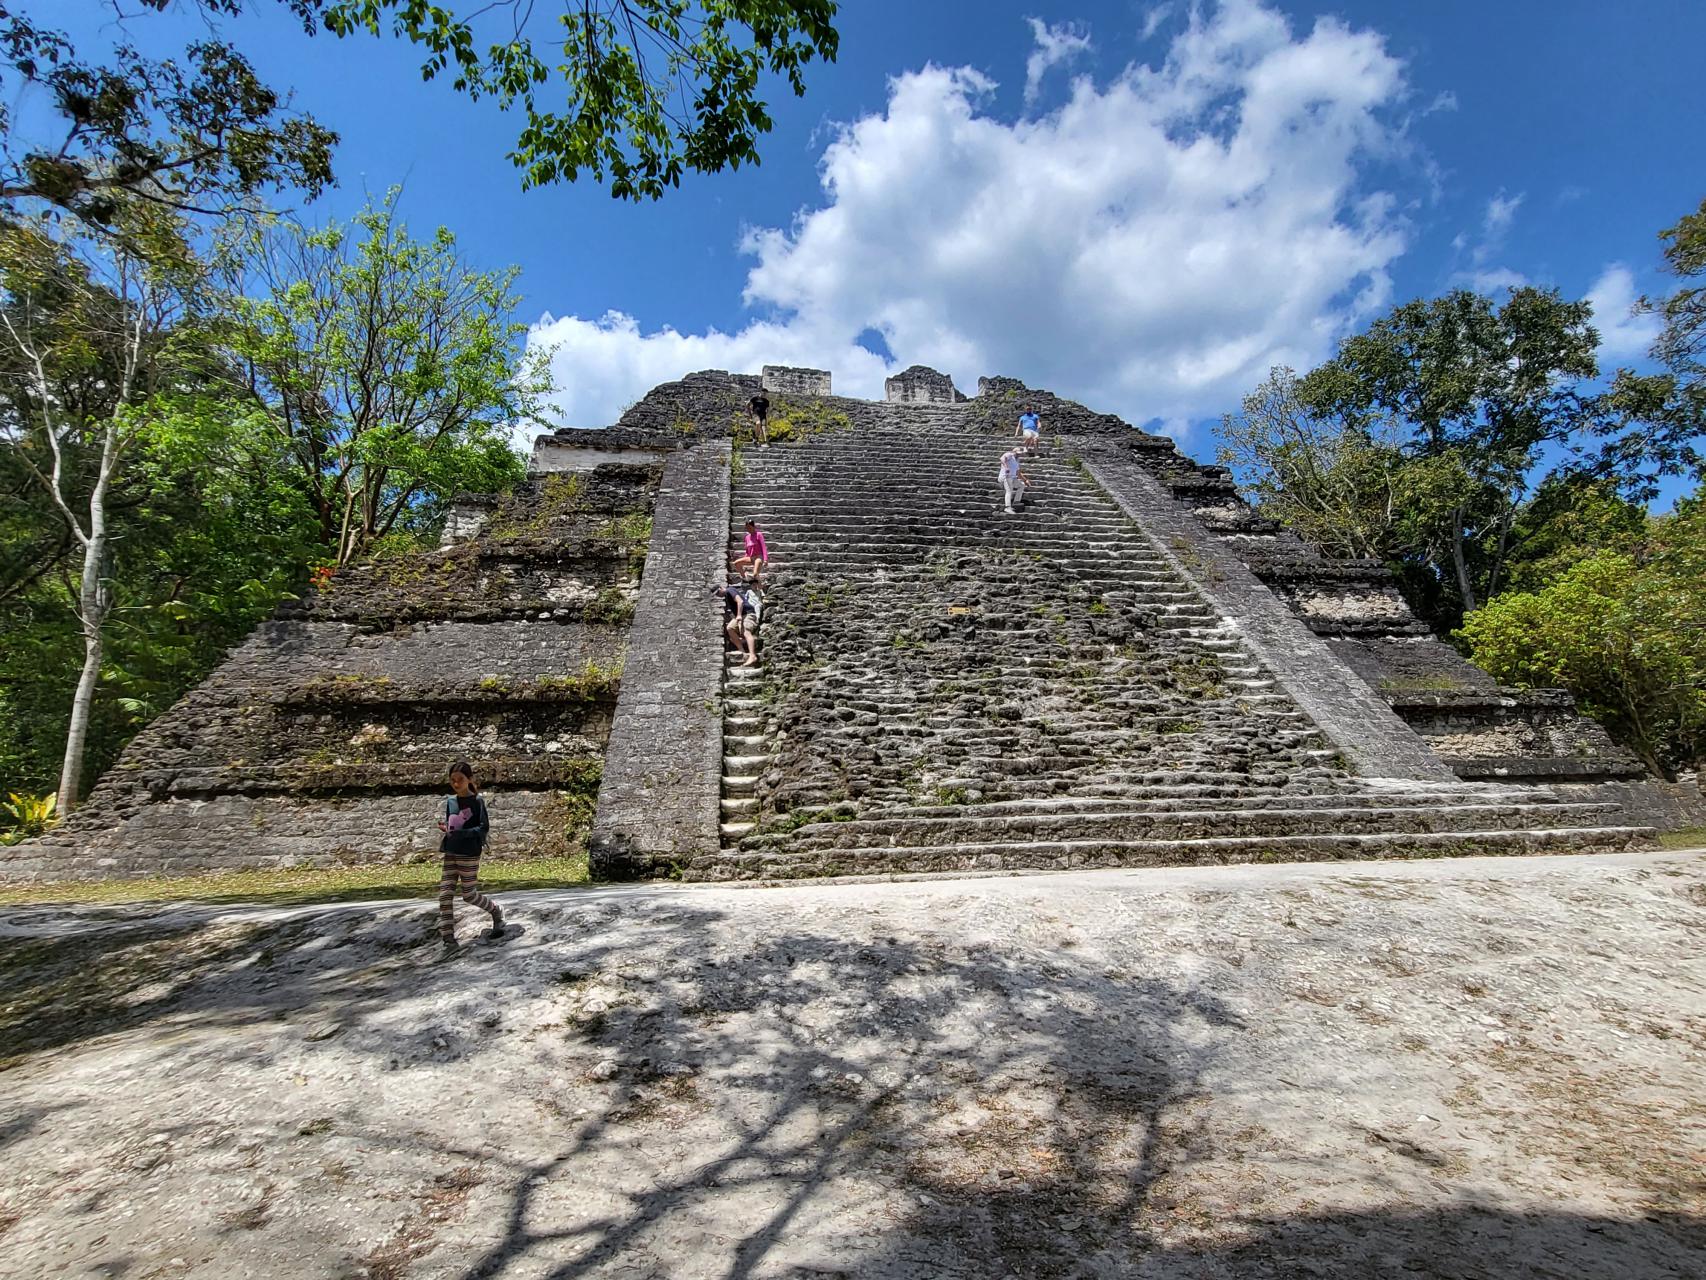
1183, 824
1062, 855
1129, 767
1203, 798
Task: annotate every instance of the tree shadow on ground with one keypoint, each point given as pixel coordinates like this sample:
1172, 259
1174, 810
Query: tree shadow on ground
1006, 1091
821, 1103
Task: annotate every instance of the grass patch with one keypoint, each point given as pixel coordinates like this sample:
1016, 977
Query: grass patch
590, 684
633, 529
1686, 838
611, 605
1420, 684
294, 885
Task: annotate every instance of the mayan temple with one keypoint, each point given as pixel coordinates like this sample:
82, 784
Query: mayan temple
1134, 669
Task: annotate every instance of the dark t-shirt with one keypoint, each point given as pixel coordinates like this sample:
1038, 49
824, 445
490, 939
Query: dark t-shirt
760, 405
468, 840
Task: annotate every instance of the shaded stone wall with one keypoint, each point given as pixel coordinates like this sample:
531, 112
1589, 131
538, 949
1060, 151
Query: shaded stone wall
325, 737
578, 449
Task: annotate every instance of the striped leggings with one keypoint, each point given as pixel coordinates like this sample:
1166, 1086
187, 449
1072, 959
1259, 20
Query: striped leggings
463, 874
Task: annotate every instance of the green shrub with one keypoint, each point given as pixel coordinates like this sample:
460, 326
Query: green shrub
1627, 637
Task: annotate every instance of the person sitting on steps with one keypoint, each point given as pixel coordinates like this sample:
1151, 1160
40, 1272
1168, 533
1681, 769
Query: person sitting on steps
1013, 480
742, 606
759, 407
757, 557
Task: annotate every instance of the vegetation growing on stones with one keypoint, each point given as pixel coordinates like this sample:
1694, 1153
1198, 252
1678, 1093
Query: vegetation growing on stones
203, 409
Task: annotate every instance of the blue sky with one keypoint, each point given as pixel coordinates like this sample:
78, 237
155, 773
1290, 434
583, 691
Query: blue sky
1183, 197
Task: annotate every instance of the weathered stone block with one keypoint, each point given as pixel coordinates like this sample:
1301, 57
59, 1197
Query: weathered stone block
781, 380
920, 385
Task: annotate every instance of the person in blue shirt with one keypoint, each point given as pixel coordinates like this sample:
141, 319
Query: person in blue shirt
1030, 428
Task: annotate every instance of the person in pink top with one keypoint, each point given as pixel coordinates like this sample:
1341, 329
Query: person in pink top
757, 557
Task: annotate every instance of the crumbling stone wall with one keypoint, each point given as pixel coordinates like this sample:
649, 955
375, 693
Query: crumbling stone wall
1353, 606
324, 738
779, 379
919, 385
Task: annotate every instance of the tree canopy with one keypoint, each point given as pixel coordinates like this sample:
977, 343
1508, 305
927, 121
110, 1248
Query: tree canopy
1655, 424
391, 372
196, 134
634, 93
1468, 444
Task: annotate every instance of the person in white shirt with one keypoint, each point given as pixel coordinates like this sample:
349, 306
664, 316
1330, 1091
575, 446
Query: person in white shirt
1013, 481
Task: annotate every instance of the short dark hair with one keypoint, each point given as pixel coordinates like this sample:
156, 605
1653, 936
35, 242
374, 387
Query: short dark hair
752, 524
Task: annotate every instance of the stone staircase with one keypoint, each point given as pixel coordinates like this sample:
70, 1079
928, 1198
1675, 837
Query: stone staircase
944, 687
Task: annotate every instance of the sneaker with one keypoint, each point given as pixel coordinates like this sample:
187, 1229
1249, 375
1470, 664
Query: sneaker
450, 950
497, 929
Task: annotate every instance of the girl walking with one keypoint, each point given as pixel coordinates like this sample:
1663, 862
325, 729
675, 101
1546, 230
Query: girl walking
465, 826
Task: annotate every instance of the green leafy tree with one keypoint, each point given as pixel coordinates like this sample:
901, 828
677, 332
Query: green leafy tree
1655, 424
1335, 483
1625, 633
1478, 390
206, 534
1568, 516
632, 92
120, 330
392, 372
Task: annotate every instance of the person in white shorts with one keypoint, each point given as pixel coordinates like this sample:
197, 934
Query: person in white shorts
1030, 429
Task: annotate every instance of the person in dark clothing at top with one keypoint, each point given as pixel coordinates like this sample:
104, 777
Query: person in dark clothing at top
759, 405
465, 826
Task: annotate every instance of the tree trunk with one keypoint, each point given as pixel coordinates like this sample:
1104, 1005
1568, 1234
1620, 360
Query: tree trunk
92, 612
1461, 563
92, 605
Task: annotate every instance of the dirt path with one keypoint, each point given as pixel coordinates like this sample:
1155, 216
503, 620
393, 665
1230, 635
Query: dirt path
1465, 1069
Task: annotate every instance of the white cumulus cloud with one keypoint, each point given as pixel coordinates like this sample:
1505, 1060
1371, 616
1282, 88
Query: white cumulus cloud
1150, 247
1057, 44
1623, 333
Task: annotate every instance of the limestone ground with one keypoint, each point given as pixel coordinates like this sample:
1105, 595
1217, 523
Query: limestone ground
1468, 1069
